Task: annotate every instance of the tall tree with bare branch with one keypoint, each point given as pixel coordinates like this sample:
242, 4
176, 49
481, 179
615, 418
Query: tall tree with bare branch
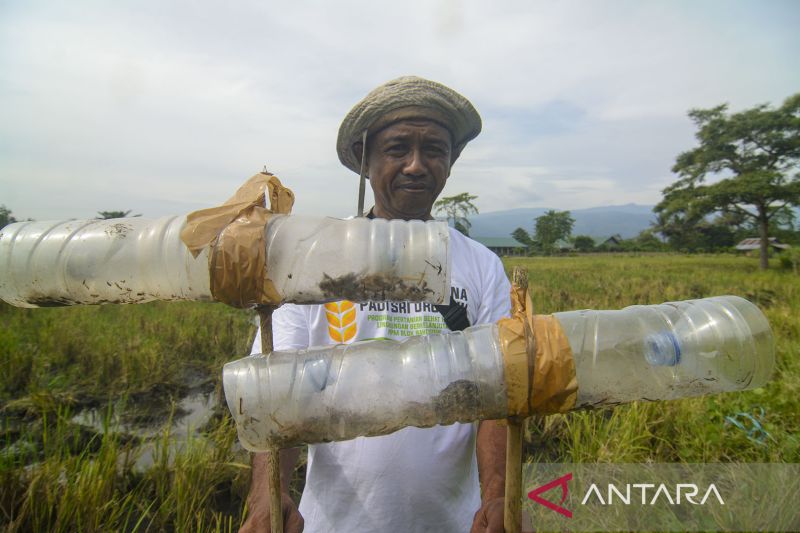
756, 155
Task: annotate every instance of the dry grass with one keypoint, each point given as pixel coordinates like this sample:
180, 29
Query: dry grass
57, 476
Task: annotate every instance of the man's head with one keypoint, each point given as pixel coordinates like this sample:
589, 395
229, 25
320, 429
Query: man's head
415, 129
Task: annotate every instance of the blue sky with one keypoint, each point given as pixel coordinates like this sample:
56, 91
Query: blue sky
165, 107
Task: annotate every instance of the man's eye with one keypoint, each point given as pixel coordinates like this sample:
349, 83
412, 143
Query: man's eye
436, 150
396, 149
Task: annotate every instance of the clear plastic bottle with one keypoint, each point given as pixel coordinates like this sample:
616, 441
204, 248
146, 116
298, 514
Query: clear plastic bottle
320, 259
655, 352
136, 260
366, 388
668, 351
121, 260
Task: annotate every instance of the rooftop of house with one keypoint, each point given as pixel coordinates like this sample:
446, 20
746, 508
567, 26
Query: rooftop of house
755, 244
499, 242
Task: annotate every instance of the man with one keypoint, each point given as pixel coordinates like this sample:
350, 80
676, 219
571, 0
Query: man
445, 478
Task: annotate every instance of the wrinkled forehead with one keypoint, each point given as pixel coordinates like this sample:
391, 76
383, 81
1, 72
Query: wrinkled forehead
411, 113
409, 127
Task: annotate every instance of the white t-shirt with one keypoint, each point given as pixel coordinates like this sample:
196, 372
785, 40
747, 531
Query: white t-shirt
414, 479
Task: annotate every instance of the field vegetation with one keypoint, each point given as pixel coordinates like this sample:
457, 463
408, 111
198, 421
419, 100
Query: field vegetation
134, 364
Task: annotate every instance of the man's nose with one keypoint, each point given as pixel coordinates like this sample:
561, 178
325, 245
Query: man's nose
415, 165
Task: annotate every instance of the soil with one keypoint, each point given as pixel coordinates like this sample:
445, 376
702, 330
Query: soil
379, 287
120, 230
43, 301
458, 402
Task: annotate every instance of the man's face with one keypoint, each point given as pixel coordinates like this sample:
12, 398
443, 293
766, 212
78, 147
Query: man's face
408, 164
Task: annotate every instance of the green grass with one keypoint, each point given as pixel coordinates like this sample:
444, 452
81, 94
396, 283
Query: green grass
96, 351
691, 430
58, 476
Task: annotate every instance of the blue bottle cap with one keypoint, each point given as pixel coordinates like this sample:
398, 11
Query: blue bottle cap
662, 349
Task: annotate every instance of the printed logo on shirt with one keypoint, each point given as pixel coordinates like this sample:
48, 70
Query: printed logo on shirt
405, 319
341, 317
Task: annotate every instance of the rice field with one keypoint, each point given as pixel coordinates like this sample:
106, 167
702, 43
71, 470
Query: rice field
143, 462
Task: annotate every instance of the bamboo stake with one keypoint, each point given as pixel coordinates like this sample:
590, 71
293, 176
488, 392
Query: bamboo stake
512, 513
273, 455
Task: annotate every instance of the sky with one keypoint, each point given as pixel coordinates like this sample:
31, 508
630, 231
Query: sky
167, 107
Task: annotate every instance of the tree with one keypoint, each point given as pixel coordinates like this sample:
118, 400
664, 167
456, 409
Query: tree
583, 243
105, 215
6, 217
551, 227
755, 151
457, 208
646, 241
522, 236
698, 233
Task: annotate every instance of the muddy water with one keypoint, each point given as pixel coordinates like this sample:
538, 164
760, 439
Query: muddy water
148, 421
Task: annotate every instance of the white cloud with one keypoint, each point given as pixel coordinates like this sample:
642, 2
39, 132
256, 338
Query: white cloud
159, 107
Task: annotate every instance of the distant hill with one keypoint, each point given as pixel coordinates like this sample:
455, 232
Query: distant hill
627, 220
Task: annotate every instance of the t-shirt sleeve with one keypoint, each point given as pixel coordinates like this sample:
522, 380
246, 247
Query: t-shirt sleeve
289, 329
495, 302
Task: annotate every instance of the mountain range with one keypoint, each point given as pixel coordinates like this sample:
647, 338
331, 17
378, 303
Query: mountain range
626, 220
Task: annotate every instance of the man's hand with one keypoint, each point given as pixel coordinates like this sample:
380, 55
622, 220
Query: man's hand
491, 454
258, 499
258, 516
489, 518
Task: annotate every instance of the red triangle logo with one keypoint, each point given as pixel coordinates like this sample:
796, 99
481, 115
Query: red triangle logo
562, 482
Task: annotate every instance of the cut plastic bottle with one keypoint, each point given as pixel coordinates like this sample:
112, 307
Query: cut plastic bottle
656, 352
136, 260
366, 388
668, 351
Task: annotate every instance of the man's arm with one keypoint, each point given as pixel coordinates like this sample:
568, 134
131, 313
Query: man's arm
491, 440
491, 455
290, 331
258, 499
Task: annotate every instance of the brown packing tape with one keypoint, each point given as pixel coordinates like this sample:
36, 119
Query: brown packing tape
235, 233
539, 368
555, 386
237, 262
514, 344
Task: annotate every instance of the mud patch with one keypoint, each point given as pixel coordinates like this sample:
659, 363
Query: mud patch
458, 402
372, 287
119, 230
147, 417
44, 301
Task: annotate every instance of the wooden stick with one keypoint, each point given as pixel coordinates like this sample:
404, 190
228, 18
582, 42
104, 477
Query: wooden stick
362, 181
512, 516
512, 513
275, 507
273, 455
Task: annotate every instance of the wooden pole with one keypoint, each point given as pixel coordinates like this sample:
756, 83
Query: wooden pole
512, 513
273, 455
512, 516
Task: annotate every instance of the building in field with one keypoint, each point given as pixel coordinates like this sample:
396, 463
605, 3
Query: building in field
503, 245
608, 243
748, 245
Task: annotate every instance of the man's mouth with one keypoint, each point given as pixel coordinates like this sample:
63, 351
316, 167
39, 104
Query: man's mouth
413, 187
